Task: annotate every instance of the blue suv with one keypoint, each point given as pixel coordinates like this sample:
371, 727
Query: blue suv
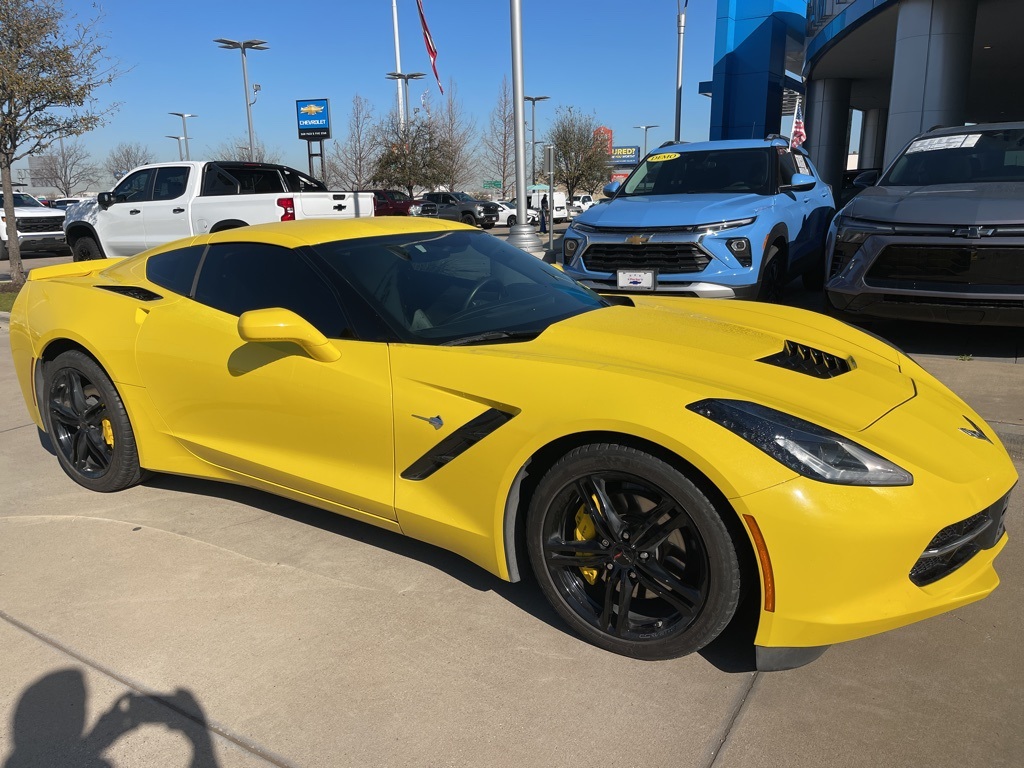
720, 219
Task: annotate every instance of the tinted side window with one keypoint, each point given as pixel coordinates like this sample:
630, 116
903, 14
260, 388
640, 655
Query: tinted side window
134, 188
786, 167
175, 270
170, 183
256, 181
237, 277
219, 182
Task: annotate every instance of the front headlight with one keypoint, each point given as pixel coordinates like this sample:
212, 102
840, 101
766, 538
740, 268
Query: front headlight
850, 230
718, 226
581, 227
806, 448
414, 210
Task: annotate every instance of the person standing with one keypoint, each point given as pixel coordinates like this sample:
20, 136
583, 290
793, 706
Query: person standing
544, 214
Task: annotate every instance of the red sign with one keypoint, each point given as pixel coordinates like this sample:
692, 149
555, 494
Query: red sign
604, 135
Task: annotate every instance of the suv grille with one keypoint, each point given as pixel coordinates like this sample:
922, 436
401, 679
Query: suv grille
29, 224
667, 258
948, 265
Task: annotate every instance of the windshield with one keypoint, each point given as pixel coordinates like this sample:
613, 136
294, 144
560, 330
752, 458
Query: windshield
23, 201
701, 172
971, 156
439, 287
398, 195
462, 197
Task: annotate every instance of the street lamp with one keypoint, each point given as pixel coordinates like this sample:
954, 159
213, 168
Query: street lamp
646, 128
243, 46
681, 23
178, 139
533, 127
403, 119
184, 130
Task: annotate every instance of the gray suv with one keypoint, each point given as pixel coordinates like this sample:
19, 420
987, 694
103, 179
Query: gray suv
458, 206
940, 236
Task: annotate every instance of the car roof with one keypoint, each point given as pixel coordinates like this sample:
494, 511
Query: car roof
955, 129
292, 234
704, 146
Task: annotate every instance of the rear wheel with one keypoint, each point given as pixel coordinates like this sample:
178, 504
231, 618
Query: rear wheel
86, 249
88, 424
631, 554
512, 220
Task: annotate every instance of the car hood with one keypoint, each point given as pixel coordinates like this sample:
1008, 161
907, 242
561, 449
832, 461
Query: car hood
716, 349
673, 210
978, 203
24, 212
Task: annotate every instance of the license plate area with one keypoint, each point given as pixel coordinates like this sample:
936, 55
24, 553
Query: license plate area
636, 279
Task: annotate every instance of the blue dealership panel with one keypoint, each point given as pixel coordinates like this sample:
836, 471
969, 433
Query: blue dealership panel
314, 119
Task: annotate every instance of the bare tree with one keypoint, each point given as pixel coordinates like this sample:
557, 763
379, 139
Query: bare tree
499, 142
237, 148
580, 155
124, 157
50, 66
350, 164
454, 148
68, 168
407, 158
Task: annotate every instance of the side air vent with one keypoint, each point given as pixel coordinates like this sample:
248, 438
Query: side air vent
804, 359
133, 291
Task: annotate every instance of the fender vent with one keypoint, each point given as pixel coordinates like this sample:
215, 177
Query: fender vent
804, 359
133, 291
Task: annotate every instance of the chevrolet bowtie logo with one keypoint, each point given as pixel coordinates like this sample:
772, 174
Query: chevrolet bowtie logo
311, 109
637, 239
974, 232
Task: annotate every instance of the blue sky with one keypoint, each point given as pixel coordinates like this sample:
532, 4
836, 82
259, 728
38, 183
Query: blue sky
614, 59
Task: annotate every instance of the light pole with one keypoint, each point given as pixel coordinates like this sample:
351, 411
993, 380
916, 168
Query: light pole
646, 128
178, 139
681, 21
521, 235
243, 46
184, 130
403, 119
533, 127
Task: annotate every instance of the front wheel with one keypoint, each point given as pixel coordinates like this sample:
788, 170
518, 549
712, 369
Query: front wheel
88, 424
631, 554
468, 218
512, 221
772, 281
86, 249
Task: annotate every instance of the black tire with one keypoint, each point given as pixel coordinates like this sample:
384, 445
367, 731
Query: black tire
631, 554
512, 220
469, 218
488, 225
772, 276
86, 249
4, 255
88, 425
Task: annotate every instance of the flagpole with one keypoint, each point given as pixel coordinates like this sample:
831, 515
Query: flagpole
398, 66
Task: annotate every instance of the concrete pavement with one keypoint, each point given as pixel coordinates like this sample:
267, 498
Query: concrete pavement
186, 618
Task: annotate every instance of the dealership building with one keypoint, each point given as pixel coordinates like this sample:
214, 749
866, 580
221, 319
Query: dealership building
904, 65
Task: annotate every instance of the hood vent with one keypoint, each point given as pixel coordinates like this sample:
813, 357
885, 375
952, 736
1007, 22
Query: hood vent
134, 291
804, 359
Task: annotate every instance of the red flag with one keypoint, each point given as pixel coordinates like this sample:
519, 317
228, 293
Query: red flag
799, 135
429, 41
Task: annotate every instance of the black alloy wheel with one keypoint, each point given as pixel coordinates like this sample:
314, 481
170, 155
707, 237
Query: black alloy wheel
88, 424
511, 220
86, 249
631, 554
772, 282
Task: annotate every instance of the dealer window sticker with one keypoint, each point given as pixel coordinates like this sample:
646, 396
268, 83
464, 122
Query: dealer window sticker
944, 142
662, 157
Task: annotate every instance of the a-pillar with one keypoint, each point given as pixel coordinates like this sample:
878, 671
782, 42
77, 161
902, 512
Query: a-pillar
931, 70
828, 127
872, 138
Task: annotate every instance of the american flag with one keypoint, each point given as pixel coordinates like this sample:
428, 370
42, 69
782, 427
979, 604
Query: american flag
799, 135
429, 41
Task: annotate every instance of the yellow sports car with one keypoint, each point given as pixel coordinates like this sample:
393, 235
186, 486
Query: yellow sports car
650, 459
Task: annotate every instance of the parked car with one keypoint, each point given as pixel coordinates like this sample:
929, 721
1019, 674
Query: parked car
583, 202
393, 202
718, 219
940, 236
458, 206
65, 202
508, 215
40, 228
400, 370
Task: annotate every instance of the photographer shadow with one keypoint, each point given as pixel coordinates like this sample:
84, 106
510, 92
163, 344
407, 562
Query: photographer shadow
49, 723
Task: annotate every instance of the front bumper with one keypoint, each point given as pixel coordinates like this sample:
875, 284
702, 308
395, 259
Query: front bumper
944, 280
43, 241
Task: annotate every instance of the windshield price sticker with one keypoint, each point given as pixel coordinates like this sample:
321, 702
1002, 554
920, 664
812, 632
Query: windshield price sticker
636, 279
944, 142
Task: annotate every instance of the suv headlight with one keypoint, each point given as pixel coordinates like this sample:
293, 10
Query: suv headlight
806, 448
851, 230
718, 226
581, 227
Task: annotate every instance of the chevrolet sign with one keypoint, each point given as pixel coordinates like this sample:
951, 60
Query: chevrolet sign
314, 118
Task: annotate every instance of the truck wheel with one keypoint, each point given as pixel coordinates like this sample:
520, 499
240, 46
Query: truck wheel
86, 249
3, 252
488, 225
469, 218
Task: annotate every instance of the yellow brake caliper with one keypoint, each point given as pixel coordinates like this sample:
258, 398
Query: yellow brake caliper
108, 433
585, 531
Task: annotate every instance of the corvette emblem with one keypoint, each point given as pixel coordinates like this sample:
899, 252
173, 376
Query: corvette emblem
311, 109
637, 239
976, 432
435, 421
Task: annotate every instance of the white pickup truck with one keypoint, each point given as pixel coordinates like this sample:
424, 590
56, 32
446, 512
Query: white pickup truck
155, 204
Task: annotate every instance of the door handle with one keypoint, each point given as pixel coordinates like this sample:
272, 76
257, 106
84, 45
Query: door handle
177, 210
133, 211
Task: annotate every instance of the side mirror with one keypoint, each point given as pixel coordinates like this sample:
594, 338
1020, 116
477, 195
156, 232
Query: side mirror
284, 325
800, 182
866, 179
105, 199
610, 189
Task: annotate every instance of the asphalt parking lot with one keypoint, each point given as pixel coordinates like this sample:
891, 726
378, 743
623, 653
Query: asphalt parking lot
186, 618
